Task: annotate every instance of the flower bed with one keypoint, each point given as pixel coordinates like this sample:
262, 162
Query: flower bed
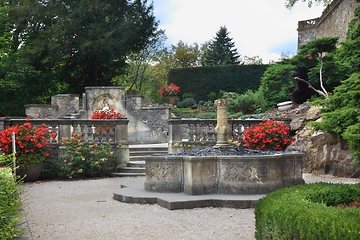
268, 135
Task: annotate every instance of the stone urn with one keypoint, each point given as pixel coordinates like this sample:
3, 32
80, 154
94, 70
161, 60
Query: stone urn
32, 173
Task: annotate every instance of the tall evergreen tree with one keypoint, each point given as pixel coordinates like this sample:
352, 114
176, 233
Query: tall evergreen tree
222, 50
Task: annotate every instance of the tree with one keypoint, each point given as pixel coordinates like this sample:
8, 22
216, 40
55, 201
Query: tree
276, 83
255, 60
290, 3
222, 50
186, 55
83, 43
140, 65
317, 50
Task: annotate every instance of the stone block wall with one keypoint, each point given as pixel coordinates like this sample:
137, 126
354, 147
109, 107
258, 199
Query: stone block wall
333, 22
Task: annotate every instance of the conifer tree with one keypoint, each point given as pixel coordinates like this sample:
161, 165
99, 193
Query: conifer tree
222, 50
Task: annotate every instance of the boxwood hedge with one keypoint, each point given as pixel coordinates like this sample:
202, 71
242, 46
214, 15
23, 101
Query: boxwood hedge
310, 212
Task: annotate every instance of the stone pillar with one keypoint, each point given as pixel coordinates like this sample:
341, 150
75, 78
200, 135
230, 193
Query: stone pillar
222, 126
175, 144
121, 138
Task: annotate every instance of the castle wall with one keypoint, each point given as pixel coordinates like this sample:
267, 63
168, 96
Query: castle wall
333, 22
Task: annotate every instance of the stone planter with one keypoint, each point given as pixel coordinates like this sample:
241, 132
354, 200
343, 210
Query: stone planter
283, 106
32, 173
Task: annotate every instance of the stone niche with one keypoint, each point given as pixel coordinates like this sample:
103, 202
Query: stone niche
99, 97
198, 175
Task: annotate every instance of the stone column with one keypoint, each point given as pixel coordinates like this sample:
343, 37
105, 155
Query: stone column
222, 126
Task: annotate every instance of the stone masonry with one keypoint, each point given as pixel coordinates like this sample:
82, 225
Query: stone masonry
333, 22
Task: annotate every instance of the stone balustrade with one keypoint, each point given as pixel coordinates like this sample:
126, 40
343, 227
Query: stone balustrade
193, 134
114, 132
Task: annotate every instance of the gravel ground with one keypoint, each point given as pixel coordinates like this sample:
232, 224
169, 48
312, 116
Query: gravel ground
86, 210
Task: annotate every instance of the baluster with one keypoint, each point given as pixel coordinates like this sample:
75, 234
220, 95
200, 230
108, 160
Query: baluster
188, 132
212, 132
192, 132
203, 132
97, 132
89, 133
197, 132
82, 131
111, 133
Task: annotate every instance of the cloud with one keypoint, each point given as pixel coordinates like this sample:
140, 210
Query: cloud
259, 28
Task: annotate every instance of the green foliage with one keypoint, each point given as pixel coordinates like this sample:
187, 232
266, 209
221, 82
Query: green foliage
201, 81
222, 50
82, 43
183, 112
249, 102
81, 160
309, 212
211, 96
9, 204
341, 114
206, 115
277, 82
290, 3
187, 95
187, 103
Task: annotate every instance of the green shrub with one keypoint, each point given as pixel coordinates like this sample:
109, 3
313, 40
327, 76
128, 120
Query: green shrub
277, 82
249, 102
211, 96
81, 160
9, 204
309, 211
341, 114
187, 95
187, 103
183, 112
206, 115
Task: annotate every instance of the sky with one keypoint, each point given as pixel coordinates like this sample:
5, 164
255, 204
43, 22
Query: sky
263, 28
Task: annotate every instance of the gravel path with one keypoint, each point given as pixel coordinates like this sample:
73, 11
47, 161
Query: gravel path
86, 210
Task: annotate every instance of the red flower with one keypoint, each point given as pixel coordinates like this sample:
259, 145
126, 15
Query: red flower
268, 135
170, 90
107, 114
31, 143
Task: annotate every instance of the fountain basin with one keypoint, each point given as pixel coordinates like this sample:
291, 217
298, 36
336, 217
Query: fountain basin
219, 174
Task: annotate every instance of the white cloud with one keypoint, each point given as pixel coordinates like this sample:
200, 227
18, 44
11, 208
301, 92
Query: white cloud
255, 26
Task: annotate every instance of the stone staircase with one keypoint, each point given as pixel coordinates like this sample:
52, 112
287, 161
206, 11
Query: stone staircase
136, 165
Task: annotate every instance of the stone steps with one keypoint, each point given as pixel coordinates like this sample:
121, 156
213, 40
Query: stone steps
136, 164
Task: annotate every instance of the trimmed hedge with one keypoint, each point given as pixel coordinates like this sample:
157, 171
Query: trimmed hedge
310, 212
201, 81
9, 205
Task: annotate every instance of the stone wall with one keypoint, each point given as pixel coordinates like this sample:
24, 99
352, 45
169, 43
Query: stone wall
146, 124
333, 22
323, 153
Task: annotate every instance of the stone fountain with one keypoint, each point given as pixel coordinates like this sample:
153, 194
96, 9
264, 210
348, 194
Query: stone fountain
219, 176
214, 171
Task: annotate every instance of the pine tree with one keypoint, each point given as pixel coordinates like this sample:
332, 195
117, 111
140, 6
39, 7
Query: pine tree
222, 50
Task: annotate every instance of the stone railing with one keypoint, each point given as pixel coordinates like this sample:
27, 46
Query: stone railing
114, 132
193, 134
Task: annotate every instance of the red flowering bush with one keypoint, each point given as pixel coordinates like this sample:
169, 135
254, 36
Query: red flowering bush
30, 143
107, 114
171, 90
268, 135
